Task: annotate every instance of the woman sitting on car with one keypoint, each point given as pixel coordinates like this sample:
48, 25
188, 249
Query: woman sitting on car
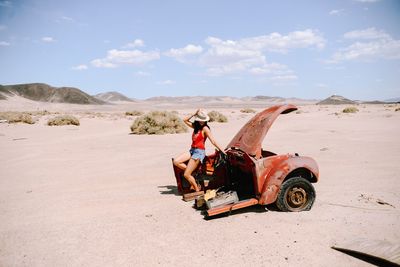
197, 152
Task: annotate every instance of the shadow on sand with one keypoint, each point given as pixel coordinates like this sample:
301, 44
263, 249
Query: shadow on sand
169, 190
251, 209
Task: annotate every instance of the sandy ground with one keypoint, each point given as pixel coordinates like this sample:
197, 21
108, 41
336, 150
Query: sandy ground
94, 195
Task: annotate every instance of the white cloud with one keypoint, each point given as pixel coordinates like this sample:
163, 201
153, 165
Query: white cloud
375, 44
277, 42
2, 43
369, 33
142, 73
180, 54
274, 68
248, 54
336, 12
80, 67
48, 39
6, 3
322, 85
284, 78
69, 19
117, 58
135, 43
166, 82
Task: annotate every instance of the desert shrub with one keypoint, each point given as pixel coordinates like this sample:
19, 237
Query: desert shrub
133, 113
217, 116
350, 110
397, 109
158, 122
39, 113
63, 120
14, 117
247, 110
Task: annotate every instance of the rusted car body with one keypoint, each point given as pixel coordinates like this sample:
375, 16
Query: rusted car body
258, 176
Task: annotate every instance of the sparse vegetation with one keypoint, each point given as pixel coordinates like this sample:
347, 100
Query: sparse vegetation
38, 113
247, 110
350, 110
63, 120
397, 109
158, 122
15, 117
217, 116
133, 113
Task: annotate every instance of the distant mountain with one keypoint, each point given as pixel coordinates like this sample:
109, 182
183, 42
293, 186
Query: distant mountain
46, 93
227, 99
396, 99
377, 102
336, 100
113, 96
2, 97
190, 99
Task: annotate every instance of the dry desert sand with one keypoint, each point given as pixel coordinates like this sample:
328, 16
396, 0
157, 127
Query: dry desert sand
94, 195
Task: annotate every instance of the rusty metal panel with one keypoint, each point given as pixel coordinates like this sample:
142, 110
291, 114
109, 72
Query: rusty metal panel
251, 136
230, 207
282, 167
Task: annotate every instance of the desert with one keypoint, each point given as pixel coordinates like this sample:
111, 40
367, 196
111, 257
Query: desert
96, 195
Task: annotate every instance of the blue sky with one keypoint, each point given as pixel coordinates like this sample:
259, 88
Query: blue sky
306, 49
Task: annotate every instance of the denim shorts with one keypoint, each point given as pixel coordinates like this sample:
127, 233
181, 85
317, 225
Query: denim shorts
197, 153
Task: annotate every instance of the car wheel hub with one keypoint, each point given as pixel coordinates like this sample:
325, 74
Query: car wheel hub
297, 197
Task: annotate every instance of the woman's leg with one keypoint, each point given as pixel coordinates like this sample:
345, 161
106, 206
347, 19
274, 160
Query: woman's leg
192, 165
179, 161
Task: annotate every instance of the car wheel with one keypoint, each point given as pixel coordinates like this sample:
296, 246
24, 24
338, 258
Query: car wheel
296, 194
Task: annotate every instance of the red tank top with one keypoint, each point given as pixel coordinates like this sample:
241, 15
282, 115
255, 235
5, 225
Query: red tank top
198, 140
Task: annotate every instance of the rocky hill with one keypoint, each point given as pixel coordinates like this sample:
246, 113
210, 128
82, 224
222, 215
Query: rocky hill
393, 100
46, 93
336, 100
113, 96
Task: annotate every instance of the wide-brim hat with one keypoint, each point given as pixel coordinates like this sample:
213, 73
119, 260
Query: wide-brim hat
201, 116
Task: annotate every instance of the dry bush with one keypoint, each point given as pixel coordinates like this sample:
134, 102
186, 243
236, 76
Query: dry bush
63, 120
247, 110
217, 116
133, 113
38, 113
158, 122
397, 109
350, 110
14, 117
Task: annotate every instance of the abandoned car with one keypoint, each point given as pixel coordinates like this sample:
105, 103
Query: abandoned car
249, 175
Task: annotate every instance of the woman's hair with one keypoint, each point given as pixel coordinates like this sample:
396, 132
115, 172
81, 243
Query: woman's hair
197, 126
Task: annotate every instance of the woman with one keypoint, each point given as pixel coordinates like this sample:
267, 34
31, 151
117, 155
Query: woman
197, 153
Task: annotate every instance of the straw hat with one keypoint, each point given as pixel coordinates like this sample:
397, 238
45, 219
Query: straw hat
201, 116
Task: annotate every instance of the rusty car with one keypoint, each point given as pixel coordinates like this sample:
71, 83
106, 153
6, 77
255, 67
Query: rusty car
248, 174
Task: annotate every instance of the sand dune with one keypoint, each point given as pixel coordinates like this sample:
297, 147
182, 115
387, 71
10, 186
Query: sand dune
94, 195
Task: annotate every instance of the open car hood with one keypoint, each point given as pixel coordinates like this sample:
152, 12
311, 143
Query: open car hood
252, 134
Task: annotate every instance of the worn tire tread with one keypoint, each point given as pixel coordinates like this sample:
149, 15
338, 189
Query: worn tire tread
280, 201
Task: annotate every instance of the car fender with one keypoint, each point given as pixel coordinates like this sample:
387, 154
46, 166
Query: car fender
279, 173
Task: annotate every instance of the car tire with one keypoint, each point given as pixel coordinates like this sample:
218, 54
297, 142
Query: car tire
296, 194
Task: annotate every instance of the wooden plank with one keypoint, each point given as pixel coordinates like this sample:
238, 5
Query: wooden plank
238, 205
192, 196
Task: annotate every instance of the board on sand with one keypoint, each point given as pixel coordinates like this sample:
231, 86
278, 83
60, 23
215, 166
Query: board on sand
379, 252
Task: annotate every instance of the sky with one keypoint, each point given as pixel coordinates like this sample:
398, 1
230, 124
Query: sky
305, 49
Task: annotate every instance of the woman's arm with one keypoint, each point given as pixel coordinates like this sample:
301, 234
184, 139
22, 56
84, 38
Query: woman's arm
208, 134
187, 119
